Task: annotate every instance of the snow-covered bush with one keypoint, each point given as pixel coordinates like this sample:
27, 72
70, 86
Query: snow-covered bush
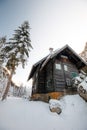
81, 82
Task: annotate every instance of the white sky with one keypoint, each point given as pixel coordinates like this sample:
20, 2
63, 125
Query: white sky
53, 23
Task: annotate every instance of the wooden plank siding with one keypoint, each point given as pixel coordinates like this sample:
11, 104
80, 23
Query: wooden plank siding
54, 79
49, 77
63, 76
41, 81
59, 80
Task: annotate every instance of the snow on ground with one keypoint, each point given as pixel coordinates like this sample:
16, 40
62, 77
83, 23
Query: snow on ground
21, 114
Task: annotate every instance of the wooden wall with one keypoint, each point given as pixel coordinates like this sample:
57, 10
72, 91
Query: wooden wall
59, 79
63, 76
55, 76
41, 81
49, 77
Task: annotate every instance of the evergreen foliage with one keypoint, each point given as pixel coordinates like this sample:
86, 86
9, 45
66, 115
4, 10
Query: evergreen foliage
16, 51
2, 43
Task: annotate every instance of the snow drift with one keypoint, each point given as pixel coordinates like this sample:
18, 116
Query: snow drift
21, 114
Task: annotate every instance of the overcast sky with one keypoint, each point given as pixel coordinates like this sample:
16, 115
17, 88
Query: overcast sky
53, 23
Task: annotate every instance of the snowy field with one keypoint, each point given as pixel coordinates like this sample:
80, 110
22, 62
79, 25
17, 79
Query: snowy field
21, 114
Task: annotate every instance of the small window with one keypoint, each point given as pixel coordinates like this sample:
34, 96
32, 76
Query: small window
58, 66
65, 67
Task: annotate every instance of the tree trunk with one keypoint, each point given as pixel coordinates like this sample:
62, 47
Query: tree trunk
7, 87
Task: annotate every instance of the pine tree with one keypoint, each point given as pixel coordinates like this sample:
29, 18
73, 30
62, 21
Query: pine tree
17, 51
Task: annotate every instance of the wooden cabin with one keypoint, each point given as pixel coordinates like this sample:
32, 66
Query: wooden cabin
53, 74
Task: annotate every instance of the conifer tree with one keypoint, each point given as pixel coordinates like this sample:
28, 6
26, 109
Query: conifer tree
16, 51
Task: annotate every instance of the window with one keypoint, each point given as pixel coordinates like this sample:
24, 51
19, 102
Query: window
58, 66
65, 67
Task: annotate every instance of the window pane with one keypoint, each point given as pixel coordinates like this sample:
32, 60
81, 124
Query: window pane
65, 68
58, 66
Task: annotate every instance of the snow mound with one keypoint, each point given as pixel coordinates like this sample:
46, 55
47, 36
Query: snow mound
53, 103
54, 106
21, 114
